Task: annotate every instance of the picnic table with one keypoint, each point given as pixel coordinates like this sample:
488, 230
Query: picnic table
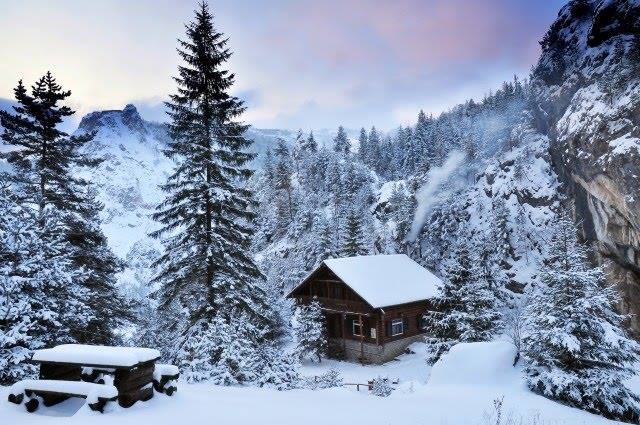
96, 373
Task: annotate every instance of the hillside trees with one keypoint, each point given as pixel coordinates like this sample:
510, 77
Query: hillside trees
466, 310
341, 141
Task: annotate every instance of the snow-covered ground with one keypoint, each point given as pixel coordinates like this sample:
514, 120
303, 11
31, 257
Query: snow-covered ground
460, 389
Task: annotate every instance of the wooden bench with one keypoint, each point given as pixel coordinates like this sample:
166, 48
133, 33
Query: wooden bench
165, 378
54, 391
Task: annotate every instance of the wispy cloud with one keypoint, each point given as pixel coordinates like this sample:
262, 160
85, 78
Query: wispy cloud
298, 63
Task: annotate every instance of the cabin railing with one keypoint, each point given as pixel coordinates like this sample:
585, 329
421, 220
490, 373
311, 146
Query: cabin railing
340, 306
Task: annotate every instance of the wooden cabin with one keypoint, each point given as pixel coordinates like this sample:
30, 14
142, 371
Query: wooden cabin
373, 305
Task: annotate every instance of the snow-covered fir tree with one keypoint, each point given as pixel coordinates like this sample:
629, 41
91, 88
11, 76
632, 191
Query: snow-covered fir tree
341, 141
352, 243
44, 175
466, 309
309, 331
574, 343
206, 271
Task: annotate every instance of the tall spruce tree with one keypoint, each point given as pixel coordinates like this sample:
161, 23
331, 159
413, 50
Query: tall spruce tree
44, 162
207, 270
574, 342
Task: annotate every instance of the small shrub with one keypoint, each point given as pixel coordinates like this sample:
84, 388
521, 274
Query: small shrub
330, 379
381, 387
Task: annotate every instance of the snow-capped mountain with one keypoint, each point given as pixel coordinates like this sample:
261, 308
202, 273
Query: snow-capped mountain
128, 182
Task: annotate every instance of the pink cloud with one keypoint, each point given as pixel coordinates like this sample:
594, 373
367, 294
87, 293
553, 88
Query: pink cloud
414, 33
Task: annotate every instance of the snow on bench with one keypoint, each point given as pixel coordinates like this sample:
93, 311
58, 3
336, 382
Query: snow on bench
95, 355
165, 370
97, 395
165, 378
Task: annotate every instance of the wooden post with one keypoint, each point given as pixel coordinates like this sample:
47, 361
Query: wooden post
361, 339
344, 332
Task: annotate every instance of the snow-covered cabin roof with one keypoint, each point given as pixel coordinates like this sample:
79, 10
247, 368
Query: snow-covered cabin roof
385, 280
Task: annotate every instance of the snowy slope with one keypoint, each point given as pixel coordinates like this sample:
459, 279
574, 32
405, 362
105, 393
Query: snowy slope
461, 391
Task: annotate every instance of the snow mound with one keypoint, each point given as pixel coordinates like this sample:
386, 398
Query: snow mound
476, 364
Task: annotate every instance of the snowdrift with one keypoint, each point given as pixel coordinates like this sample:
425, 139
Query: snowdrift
477, 364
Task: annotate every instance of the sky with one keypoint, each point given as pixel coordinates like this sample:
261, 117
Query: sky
298, 64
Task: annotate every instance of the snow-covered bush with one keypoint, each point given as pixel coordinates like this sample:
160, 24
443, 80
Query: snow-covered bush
381, 387
574, 343
278, 370
329, 379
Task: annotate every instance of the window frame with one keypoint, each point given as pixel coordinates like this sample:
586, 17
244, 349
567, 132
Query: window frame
397, 322
353, 328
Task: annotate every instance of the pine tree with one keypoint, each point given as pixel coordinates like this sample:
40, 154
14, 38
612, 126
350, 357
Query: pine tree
352, 238
283, 174
466, 309
374, 156
42, 155
207, 270
574, 342
341, 141
310, 332
311, 145
324, 241
363, 148
45, 160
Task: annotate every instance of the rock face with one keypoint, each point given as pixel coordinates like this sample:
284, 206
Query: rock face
588, 90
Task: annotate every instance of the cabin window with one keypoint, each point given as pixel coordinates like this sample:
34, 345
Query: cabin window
357, 328
397, 327
424, 322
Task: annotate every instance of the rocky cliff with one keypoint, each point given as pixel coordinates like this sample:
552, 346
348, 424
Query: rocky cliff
587, 85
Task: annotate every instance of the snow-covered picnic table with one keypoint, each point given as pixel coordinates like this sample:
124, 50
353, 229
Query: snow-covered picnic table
75, 370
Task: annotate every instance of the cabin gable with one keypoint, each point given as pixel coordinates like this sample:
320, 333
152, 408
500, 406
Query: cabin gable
329, 288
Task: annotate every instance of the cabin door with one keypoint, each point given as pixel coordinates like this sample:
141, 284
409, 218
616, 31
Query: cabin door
334, 325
